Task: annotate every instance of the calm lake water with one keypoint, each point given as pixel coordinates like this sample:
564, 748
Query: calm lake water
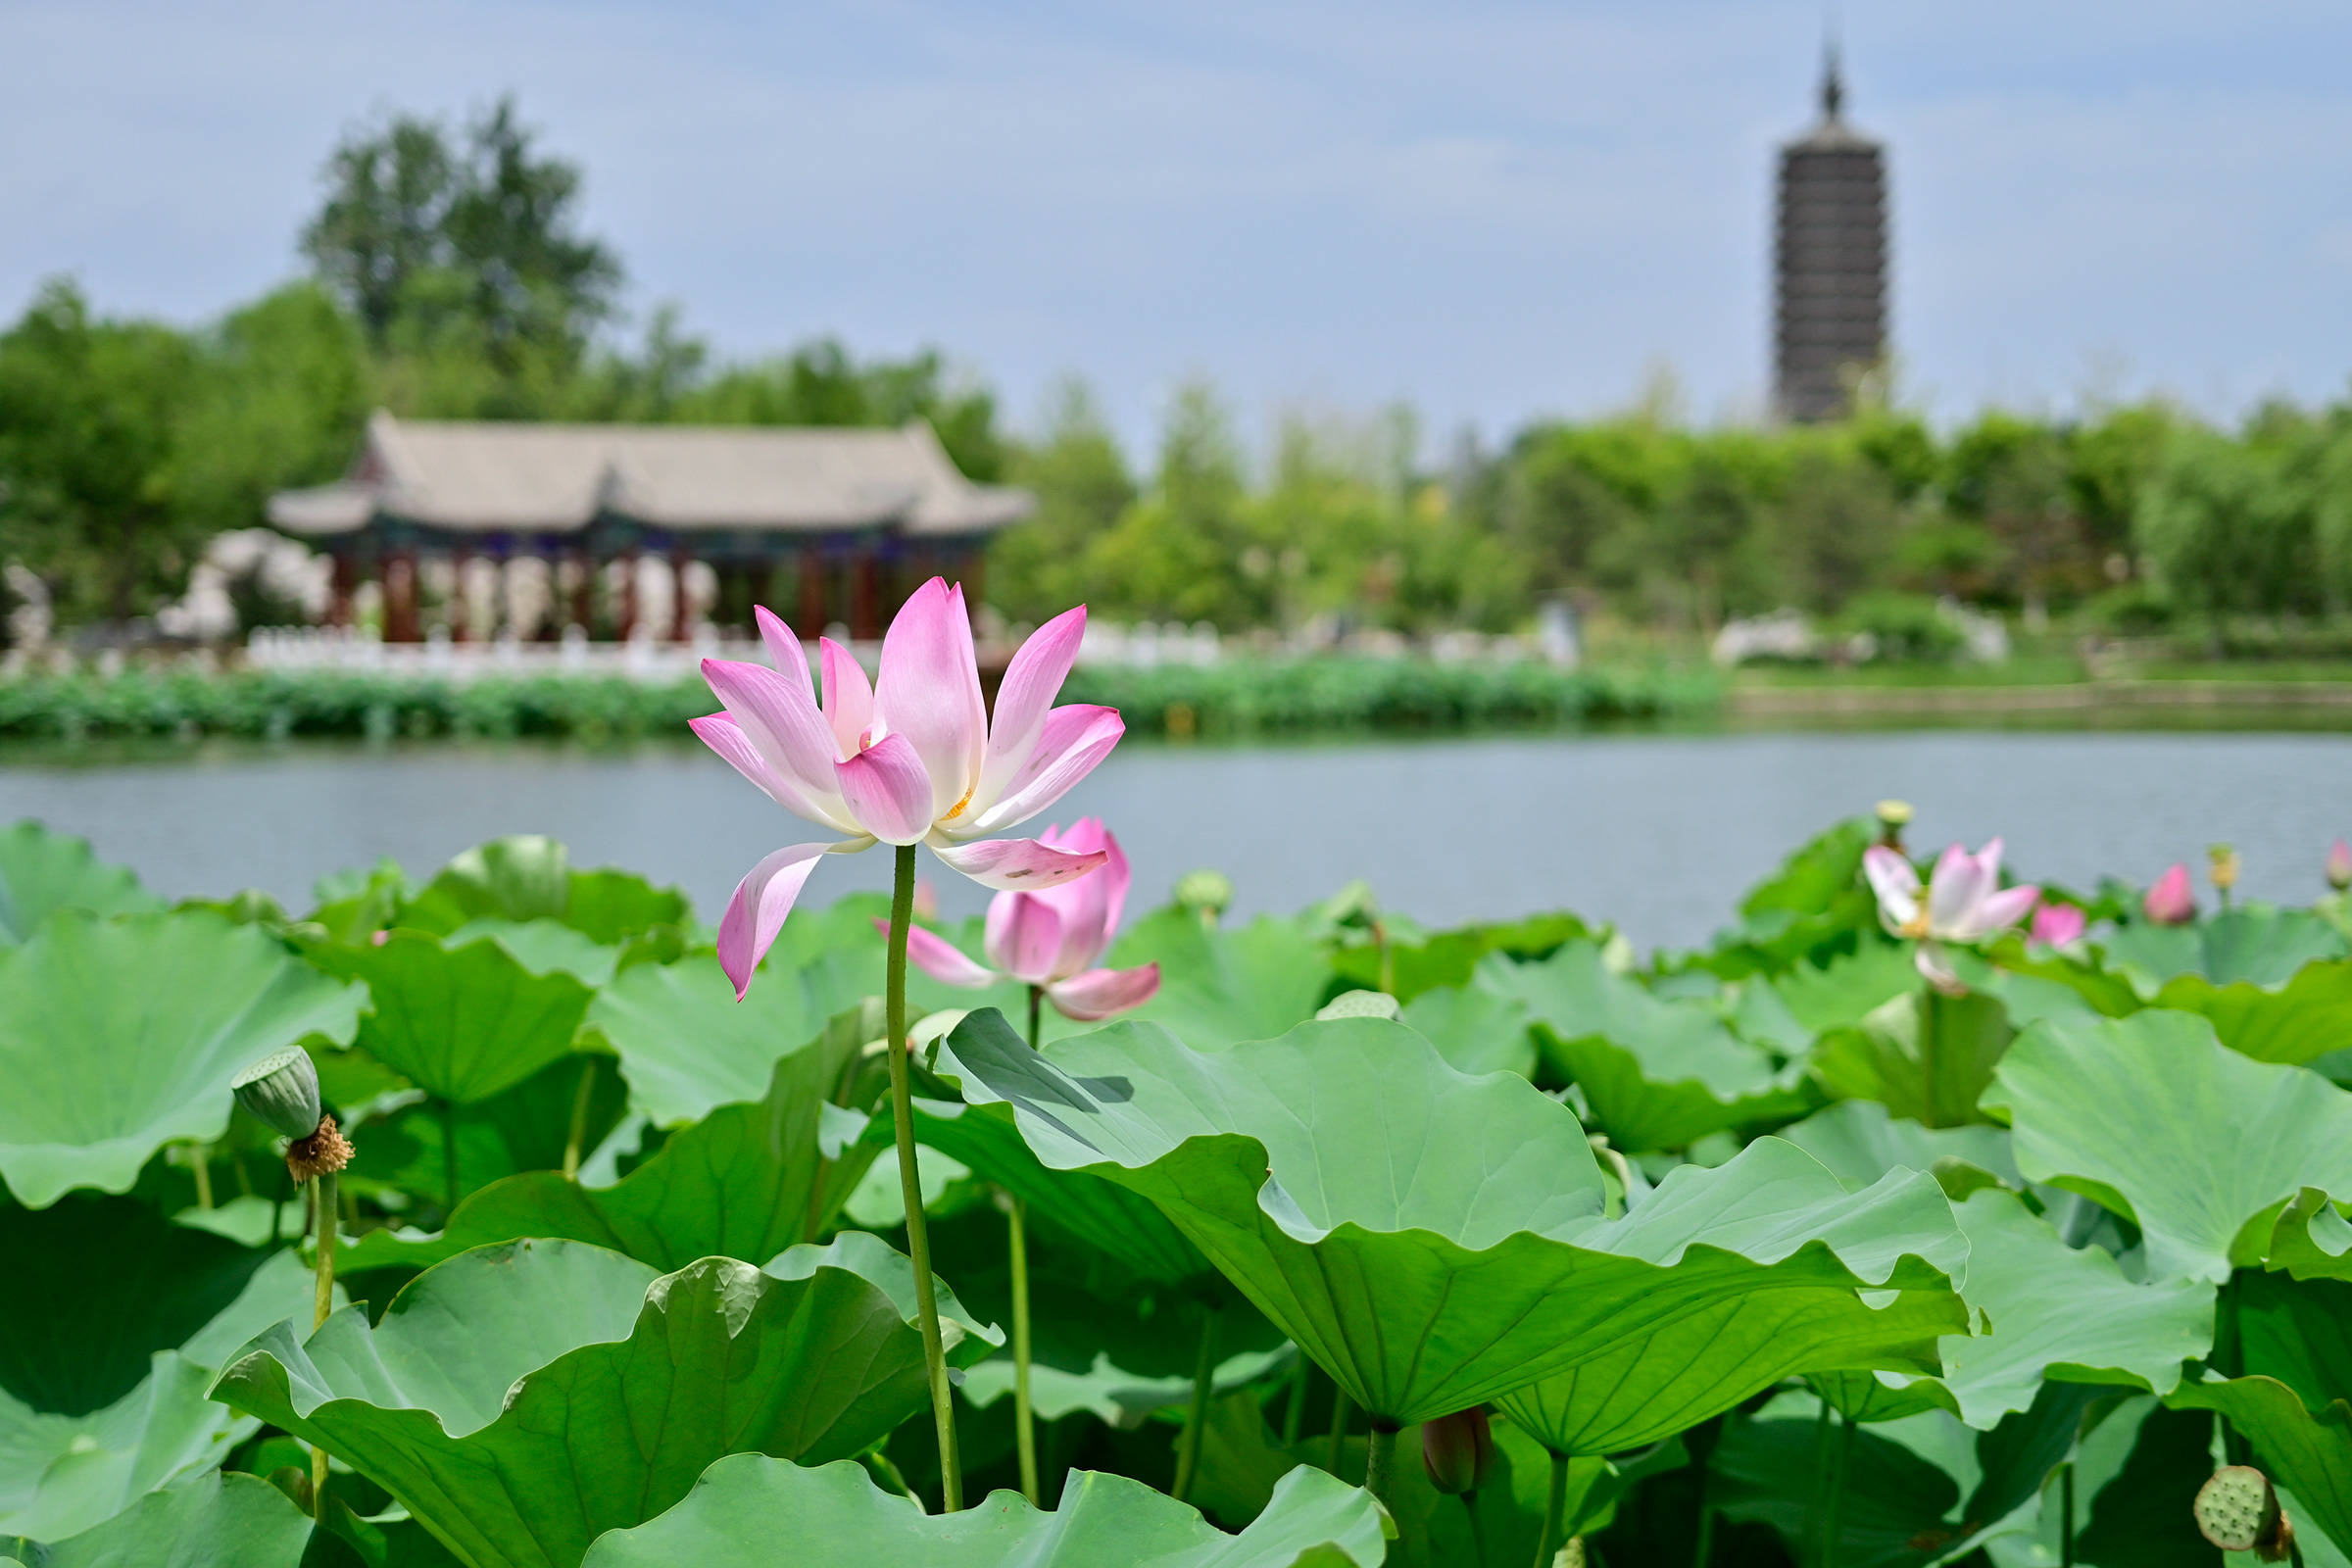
1660, 832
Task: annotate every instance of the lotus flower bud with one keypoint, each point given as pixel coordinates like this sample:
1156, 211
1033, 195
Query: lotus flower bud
2057, 924
1207, 893
2224, 866
2237, 1510
1894, 818
281, 1092
2170, 901
2339, 865
1361, 1004
1458, 1451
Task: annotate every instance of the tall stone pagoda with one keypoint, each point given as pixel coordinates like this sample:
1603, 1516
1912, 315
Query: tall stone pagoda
1829, 263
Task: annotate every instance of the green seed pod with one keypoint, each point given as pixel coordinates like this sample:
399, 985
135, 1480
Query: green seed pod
1361, 1004
1204, 891
281, 1091
2237, 1510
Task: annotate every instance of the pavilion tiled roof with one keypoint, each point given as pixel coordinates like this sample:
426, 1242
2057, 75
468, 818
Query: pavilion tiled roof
490, 478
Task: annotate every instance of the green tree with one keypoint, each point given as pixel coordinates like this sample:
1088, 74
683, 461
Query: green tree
281, 390
1185, 551
2230, 526
1081, 485
90, 448
821, 383
463, 259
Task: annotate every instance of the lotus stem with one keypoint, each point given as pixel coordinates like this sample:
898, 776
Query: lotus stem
1927, 1058
911, 1187
200, 1165
1704, 1547
1555, 1509
1817, 1498
1341, 1407
1379, 1461
1025, 1425
2066, 1516
1196, 1414
1832, 1524
322, 1201
1024, 1417
449, 1156
236, 1168
1294, 1416
580, 1100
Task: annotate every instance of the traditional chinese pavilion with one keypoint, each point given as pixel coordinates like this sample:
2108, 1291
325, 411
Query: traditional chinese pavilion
827, 525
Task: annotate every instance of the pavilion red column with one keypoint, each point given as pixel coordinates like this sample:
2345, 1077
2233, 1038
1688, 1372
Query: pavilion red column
681, 624
338, 609
400, 597
583, 592
459, 630
813, 591
628, 594
865, 615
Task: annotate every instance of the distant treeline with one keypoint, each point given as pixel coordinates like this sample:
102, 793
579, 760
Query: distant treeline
450, 280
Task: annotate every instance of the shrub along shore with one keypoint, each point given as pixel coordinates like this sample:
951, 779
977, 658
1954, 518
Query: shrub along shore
1273, 697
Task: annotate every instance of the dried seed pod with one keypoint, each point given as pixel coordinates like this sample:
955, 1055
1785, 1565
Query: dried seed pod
281, 1091
2237, 1509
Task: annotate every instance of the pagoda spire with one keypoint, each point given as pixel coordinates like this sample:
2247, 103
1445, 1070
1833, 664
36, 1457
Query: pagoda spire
1833, 79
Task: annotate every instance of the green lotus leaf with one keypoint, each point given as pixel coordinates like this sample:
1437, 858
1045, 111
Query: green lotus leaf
1124, 1225
2312, 1240
1844, 991
104, 1362
1108, 1391
2300, 1023
1475, 1029
1445, 959
1811, 908
1897, 1504
2257, 944
835, 1517
1923, 1055
745, 1182
1861, 1141
2297, 1331
41, 871
121, 1282
404, 1135
2056, 1312
1658, 1075
528, 877
687, 1047
1433, 1240
489, 1397
118, 1036
2306, 1452
2125, 1112
1243, 1462
1249, 982
461, 1023
1707, 1363
542, 947
212, 1521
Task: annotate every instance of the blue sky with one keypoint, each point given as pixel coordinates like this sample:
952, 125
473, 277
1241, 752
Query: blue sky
1491, 211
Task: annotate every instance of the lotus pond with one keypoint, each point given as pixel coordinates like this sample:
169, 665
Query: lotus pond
1767, 1251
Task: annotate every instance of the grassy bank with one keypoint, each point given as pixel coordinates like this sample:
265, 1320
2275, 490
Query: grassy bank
1236, 698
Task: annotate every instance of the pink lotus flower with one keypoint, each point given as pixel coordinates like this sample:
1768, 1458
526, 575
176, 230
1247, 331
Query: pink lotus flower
1965, 903
913, 758
2172, 901
1052, 939
2339, 865
2057, 924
